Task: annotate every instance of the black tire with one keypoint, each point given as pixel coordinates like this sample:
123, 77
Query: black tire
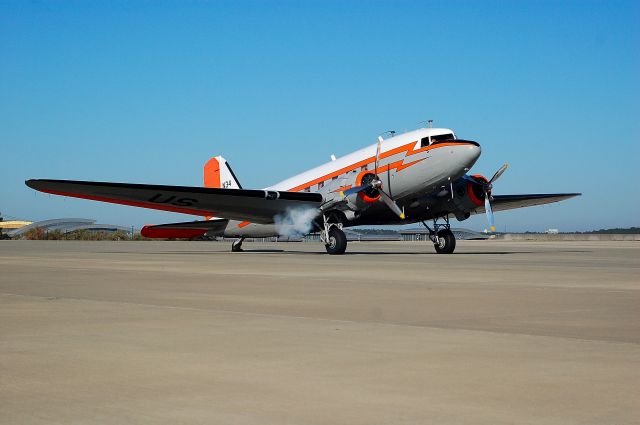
337, 244
446, 242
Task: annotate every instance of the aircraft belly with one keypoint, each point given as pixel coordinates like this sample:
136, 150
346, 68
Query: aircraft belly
238, 229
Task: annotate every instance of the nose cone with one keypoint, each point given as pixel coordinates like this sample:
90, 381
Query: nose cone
467, 154
473, 153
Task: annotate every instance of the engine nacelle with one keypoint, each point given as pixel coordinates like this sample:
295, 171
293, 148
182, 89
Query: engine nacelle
361, 201
369, 195
476, 189
469, 194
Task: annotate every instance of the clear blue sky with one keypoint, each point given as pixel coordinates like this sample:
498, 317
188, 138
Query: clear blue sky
148, 91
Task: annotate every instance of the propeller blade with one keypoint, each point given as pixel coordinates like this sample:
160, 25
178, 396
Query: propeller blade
392, 205
499, 173
380, 139
489, 212
355, 189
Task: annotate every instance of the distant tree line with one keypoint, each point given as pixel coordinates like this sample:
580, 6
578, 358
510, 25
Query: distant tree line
41, 234
615, 231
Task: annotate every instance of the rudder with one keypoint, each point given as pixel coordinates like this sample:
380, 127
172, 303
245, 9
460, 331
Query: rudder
218, 174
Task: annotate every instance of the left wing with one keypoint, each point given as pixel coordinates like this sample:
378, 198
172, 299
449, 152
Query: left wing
257, 206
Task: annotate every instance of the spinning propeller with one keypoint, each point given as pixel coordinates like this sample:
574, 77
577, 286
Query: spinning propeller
375, 185
487, 186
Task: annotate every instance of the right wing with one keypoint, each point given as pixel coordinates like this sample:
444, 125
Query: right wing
256, 206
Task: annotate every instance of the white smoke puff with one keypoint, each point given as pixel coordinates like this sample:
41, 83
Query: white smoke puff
295, 221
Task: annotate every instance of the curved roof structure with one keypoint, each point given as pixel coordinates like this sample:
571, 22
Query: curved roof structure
67, 225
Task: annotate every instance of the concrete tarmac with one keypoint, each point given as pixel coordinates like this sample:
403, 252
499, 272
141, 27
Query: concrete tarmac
390, 333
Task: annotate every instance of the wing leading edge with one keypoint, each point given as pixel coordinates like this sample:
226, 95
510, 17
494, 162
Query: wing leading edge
257, 206
509, 202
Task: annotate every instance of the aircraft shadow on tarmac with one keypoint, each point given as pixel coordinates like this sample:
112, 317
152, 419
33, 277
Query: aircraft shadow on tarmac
250, 251
290, 252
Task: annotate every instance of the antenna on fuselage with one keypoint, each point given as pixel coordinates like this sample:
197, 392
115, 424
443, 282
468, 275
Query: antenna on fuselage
430, 123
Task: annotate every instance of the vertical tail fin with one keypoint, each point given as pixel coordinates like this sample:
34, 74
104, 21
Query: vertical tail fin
218, 173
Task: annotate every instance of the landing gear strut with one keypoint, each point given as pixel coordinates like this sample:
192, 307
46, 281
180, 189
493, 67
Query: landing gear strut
335, 241
444, 241
236, 246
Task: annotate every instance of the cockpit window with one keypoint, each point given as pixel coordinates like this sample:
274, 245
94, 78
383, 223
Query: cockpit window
435, 139
442, 137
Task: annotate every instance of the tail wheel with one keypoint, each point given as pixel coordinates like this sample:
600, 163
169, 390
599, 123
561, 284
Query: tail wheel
236, 246
446, 243
337, 241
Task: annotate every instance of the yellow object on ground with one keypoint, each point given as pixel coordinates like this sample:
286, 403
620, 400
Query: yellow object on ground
14, 224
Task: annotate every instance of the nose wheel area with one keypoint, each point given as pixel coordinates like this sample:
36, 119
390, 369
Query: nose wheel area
444, 241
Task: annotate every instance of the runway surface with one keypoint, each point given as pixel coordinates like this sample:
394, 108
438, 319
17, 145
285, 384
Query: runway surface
391, 333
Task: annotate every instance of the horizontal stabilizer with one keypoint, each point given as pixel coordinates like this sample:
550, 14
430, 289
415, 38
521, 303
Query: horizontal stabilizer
188, 229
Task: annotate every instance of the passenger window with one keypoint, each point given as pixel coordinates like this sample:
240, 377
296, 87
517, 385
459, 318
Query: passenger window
320, 185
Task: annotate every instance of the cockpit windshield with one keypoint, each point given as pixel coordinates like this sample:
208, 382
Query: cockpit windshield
442, 137
436, 139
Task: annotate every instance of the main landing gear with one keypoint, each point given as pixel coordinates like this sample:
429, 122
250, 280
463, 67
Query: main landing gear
335, 241
444, 241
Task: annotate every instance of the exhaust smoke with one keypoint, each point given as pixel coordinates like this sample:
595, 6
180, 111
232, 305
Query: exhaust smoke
295, 221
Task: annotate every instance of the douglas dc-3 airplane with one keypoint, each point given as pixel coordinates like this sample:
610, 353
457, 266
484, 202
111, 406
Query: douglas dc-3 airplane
417, 176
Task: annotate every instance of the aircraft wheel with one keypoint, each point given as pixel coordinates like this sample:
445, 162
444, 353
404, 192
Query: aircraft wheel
337, 242
446, 242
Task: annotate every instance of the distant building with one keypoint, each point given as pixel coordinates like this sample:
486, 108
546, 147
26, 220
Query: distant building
552, 231
66, 225
6, 226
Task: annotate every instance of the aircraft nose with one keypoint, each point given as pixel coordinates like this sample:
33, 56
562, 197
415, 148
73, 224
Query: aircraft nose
469, 154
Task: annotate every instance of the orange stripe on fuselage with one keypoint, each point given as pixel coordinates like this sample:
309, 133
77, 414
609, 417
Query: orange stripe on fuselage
408, 148
398, 165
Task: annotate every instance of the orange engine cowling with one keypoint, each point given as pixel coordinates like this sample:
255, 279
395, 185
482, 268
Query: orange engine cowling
369, 195
476, 191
